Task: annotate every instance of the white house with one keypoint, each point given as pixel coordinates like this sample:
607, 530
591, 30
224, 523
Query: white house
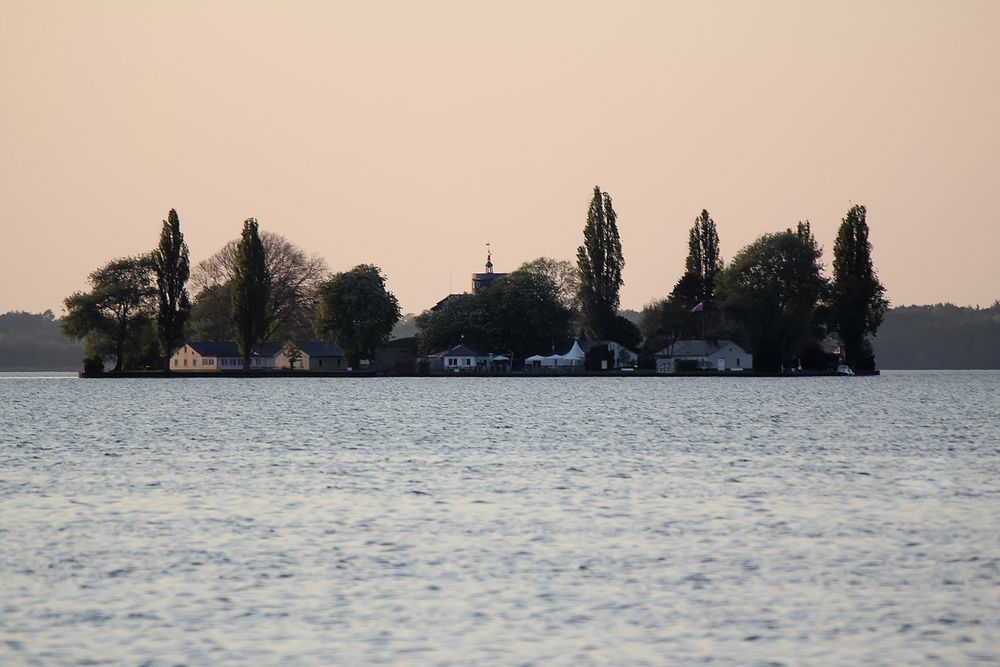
720, 355
459, 358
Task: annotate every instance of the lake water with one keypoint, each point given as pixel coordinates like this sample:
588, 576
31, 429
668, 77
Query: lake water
499, 521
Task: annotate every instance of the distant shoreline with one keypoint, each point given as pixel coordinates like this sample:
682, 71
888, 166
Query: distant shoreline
161, 375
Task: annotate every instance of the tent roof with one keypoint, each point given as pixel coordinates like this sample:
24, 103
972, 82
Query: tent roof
575, 352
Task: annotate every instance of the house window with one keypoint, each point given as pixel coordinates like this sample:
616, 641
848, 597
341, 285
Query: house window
468, 362
175, 362
452, 361
321, 363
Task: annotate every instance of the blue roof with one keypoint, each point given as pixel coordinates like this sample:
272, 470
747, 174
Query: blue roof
230, 349
319, 348
218, 349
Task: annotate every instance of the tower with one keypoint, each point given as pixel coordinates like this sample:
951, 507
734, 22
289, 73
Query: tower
482, 281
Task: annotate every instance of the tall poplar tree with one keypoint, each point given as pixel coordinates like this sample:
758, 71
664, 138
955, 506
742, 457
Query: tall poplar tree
857, 301
172, 268
251, 291
703, 261
599, 263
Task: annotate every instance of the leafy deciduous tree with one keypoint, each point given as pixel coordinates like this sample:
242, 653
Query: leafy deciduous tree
459, 318
357, 311
114, 318
524, 315
564, 277
771, 291
520, 313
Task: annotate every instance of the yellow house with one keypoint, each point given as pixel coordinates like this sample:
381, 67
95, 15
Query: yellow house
220, 357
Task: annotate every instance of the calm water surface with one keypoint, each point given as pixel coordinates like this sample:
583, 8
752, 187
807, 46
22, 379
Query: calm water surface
501, 521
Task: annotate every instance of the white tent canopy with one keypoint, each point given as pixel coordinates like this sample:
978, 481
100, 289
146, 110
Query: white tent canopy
575, 353
574, 357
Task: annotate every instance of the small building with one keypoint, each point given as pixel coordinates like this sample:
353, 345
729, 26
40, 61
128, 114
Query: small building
706, 355
315, 355
220, 357
460, 358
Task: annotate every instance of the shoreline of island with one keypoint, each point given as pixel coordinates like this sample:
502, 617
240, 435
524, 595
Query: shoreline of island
283, 374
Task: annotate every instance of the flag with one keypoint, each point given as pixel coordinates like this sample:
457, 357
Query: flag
699, 308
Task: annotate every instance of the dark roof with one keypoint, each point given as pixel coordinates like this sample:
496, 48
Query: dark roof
269, 348
461, 351
230, 349
319, 348
440, 304
695, 348
219, 349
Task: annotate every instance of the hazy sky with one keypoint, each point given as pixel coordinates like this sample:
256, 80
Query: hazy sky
409, 134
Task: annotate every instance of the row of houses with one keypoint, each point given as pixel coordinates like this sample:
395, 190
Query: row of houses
308, 355
685, 355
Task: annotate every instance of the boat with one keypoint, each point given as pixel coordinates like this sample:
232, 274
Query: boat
844, 369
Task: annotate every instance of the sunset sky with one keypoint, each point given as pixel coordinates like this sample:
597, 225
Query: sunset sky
409, 134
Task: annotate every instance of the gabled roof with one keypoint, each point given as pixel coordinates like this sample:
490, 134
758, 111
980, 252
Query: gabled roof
319, 348
440, 304
269, 348
215, 349
461, 351
695, 348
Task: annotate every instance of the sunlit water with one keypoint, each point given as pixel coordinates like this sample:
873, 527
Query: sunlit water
501, 521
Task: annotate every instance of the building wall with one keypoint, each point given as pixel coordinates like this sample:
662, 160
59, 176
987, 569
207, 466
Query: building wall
187, 360
461, 363
324, 363
733, 357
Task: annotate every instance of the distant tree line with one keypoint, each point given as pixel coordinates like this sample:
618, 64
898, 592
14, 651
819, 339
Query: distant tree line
34, 342
942, 336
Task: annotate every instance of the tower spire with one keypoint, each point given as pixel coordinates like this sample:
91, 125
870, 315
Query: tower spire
489, 259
